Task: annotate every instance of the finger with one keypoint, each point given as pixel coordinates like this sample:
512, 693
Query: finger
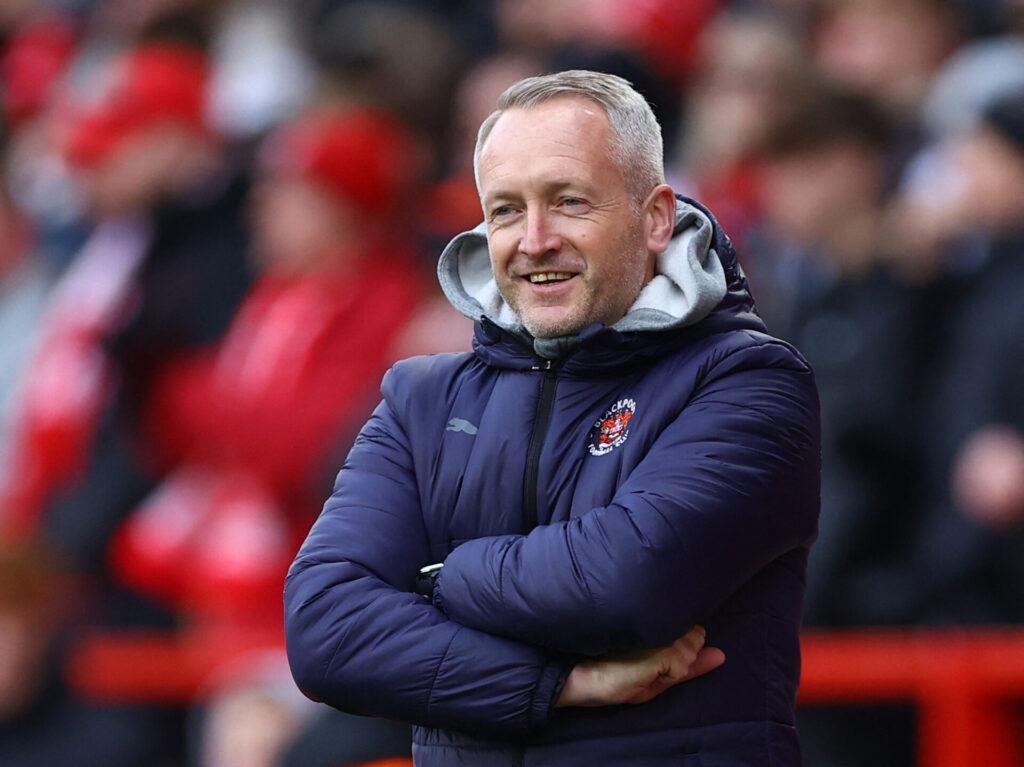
691, 643
676, 660
708, 659
696, 631
694, 637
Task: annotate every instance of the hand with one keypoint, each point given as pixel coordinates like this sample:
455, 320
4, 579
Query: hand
988, 478
639, 675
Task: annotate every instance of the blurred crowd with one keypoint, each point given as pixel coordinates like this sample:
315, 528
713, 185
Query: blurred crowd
218, 224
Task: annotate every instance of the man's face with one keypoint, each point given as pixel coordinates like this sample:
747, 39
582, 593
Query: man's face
568, 247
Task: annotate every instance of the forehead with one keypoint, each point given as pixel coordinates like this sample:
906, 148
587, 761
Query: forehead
566, 133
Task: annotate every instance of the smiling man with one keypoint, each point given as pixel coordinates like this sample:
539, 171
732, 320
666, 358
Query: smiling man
530, 544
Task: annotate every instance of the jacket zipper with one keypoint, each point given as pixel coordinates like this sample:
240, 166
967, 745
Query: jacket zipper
545, 405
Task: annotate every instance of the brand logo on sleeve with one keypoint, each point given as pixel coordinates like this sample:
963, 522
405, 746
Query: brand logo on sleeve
612, 429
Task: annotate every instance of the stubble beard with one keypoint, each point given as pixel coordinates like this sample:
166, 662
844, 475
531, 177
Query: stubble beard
608, 307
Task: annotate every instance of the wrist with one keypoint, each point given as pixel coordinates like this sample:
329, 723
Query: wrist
579, 687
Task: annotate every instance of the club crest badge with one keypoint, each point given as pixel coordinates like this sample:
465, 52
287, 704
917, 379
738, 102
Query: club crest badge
611, 429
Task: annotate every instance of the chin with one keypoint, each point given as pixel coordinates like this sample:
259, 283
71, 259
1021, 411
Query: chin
553, 330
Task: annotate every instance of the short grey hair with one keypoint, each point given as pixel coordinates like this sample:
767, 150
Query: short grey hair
636, 143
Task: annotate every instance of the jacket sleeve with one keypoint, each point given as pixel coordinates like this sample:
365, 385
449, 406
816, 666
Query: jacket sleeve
726, 488
359, 640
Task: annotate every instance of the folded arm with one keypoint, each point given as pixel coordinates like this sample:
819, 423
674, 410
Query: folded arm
726, 488
360, 640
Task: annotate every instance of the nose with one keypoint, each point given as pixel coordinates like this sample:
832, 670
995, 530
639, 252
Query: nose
539, 236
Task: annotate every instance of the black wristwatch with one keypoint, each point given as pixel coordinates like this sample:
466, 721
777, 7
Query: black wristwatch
426, 578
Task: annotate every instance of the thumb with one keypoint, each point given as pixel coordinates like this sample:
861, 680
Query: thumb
708, 659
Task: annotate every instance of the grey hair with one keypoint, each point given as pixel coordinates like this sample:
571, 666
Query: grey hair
636, 143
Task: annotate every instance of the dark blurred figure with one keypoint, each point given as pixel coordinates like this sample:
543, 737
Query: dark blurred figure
42, 722
970, 548
819, 257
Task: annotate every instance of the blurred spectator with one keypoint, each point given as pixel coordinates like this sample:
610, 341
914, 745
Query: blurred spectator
752, 72
887, 50
817, 260
252, 426
970, 546
42, 722
161, 273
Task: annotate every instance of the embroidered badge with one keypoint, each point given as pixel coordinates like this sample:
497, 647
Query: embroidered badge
612, 429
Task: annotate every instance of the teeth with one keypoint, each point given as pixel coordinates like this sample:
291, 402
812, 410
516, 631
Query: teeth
549, 277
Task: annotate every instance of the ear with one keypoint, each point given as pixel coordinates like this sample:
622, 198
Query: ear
660, 215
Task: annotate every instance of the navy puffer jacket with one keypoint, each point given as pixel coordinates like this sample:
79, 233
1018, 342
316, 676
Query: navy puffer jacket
663, 473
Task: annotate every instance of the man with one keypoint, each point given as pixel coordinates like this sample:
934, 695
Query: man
625, 461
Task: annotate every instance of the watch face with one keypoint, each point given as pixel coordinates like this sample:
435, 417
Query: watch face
425, 580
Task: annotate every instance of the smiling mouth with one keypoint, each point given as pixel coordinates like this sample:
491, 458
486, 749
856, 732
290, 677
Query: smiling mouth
541, 278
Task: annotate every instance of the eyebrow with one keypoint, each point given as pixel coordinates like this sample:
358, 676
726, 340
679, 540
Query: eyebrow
549, 187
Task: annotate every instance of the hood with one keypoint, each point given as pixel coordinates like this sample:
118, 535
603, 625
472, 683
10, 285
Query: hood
695, 275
